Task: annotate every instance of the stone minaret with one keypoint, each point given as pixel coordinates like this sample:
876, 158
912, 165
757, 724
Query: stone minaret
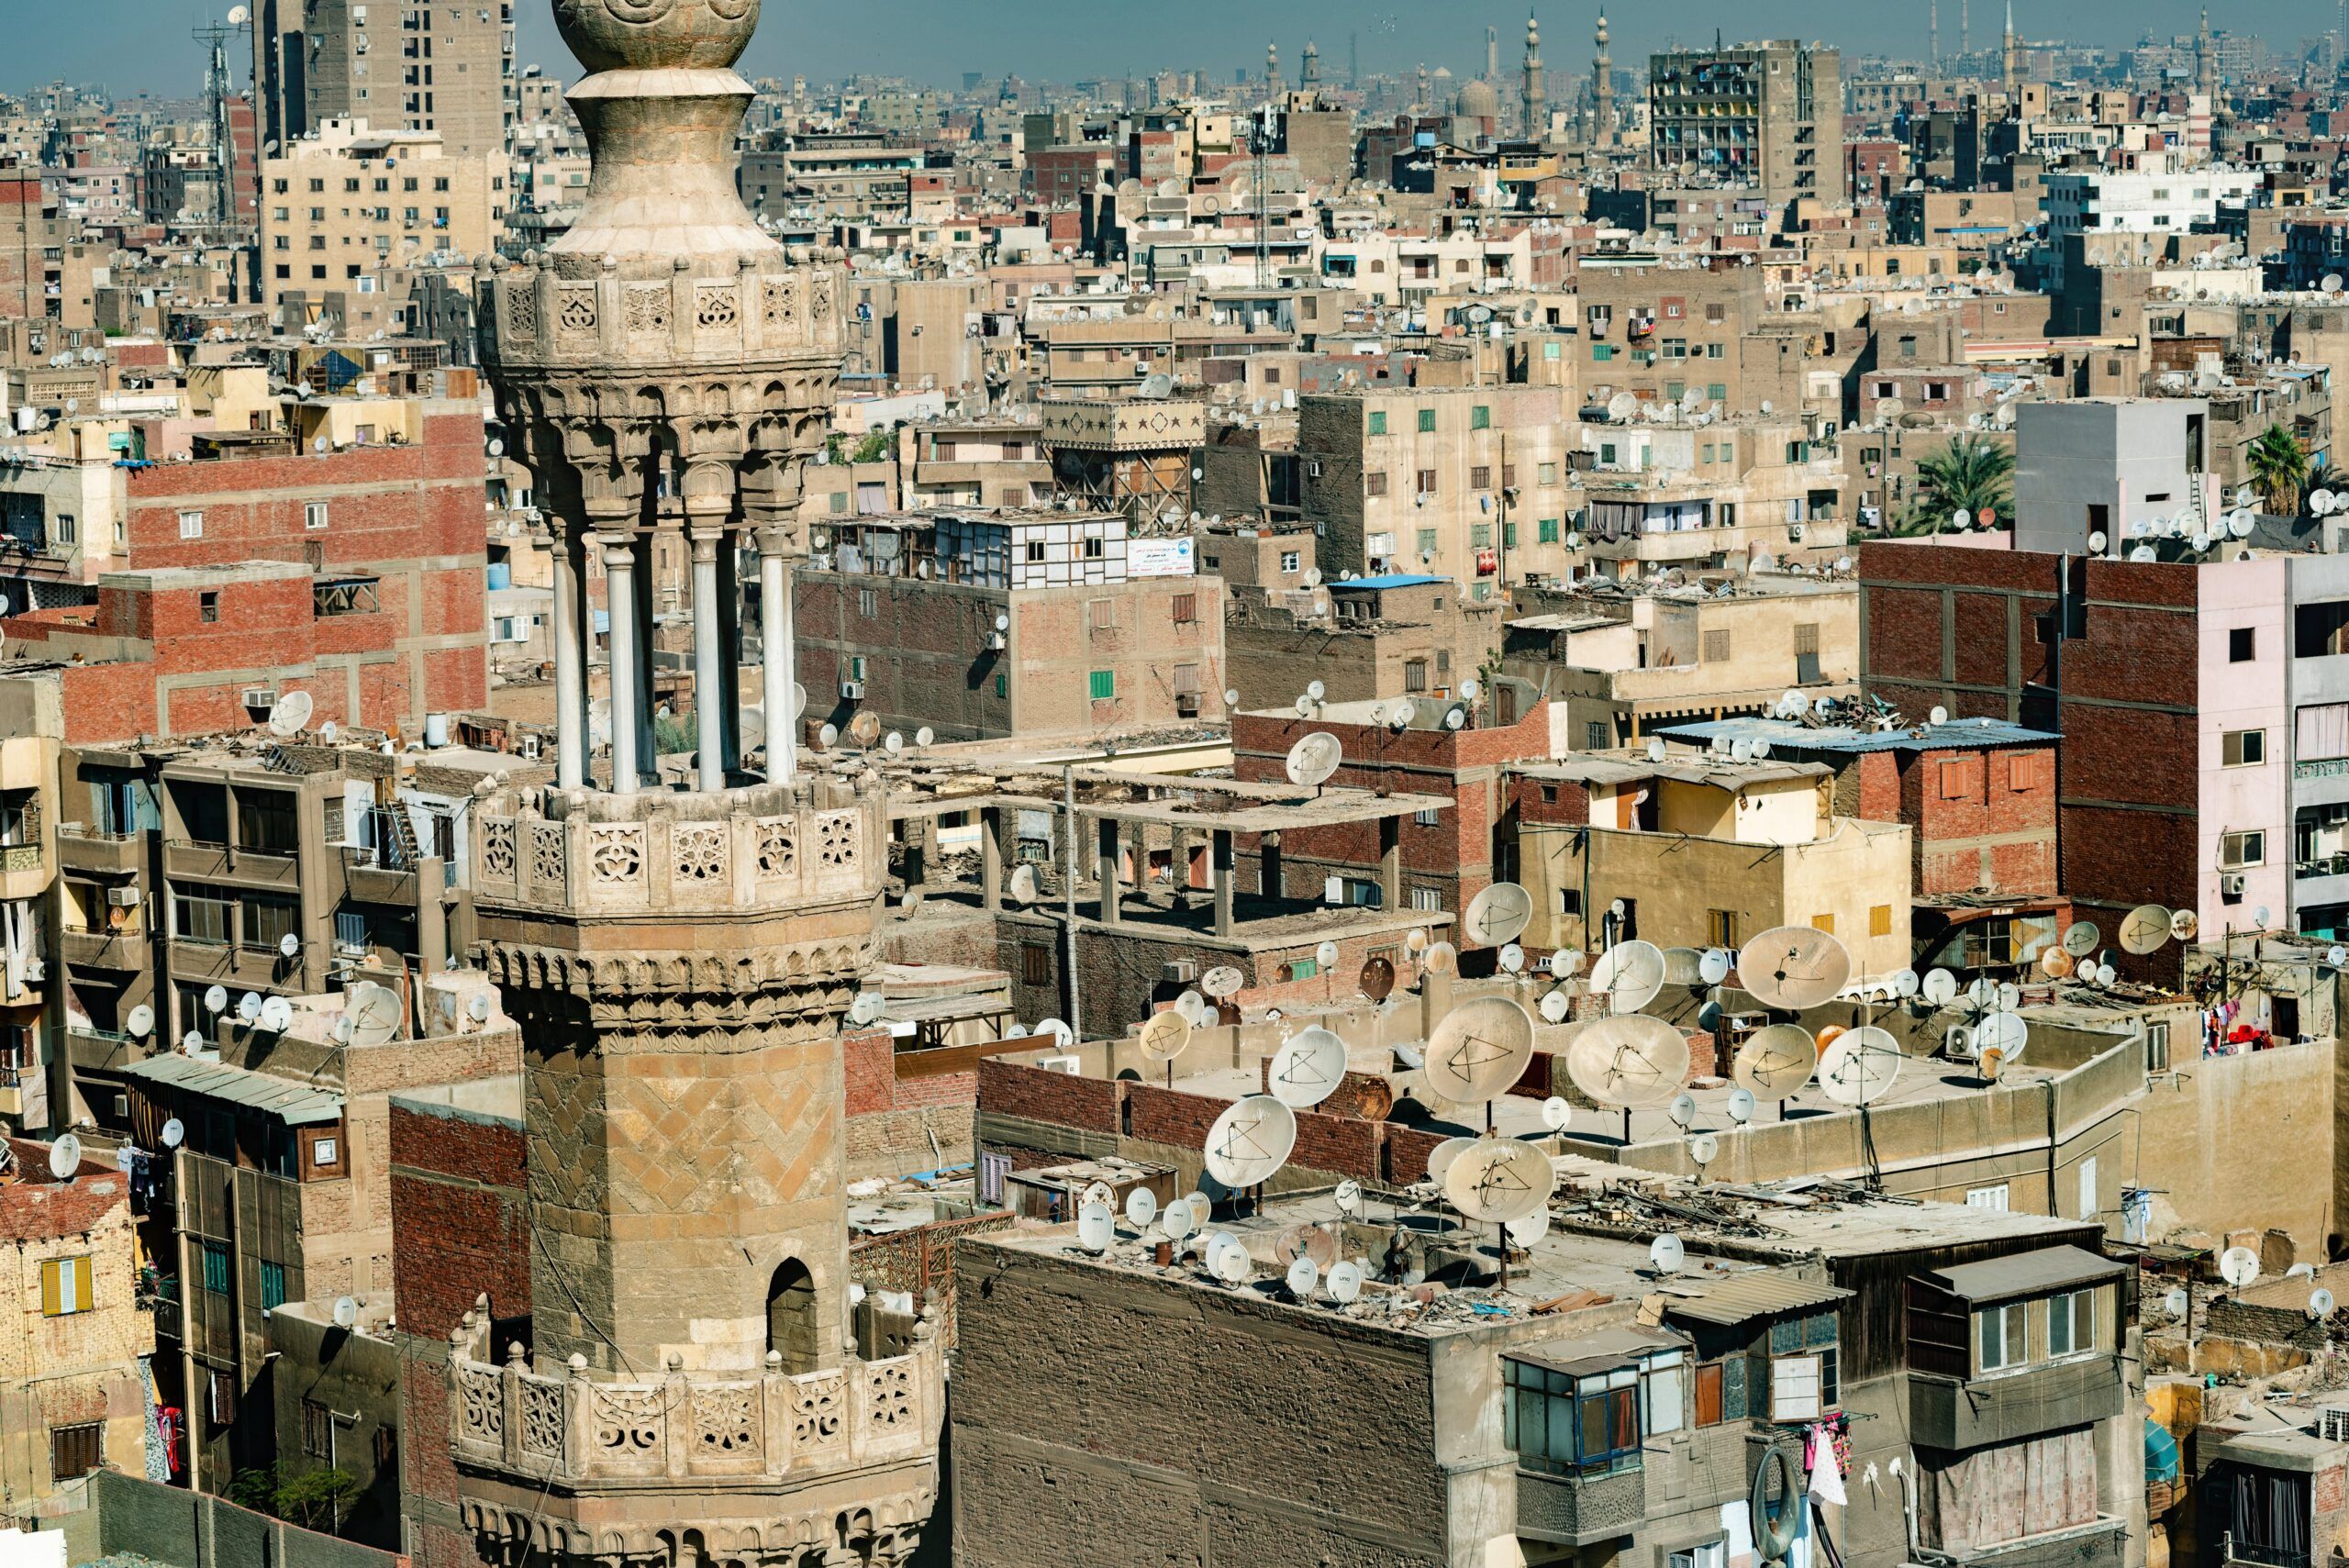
1272, 68
1493, 55
1421, 102
2010, 56
679, 955
2206, 62
1309, 75
1535, 106
1602, 87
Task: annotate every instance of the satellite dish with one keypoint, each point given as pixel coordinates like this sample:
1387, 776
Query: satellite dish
1249, 1140
289, 945
1496, 1180
1630, 975
478, 1007
192, 1042
1789, 968
1633, 1059
1230, 1263
2056, 962
894, 743
1904, 983
289, 714
1307, 1068
1498, 915
65, 1157
2183, 924
2319, 1304
215, 999
1775, 1063
375, 1013
1557, 1111
1141, 1207
1023, 884
1441, 1157
249, 1007
1222, 981
1512, 958
865, 1009
277, 1015
1555, 1005
1349, 1196
1704, 1148
1344, 1282
346, 1311
1667, 1254
1164, 1035
1442, 958
141, 1021
1314, 758
2336, 955
2144, 928
1741, 1105
1712, 967
1860, 1066
1377, 978
1939, 716
1096, 1226
2005, 1033
828, 736
2239, 1266
1326, 955
1478, 1050
1683, 1108
2081, 938
1230, 697
1178, 1219
173, 1133
1565, 963
1303, 1274
1059, 1031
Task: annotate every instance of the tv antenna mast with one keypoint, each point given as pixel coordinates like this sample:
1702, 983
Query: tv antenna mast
1260, 150
218, 92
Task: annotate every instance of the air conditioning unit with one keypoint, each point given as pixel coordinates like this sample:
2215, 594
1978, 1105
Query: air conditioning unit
1178, 972
1794, 533
123, 898
1957, 1044
259, 697
851, 691
1067, 1064
2230, 885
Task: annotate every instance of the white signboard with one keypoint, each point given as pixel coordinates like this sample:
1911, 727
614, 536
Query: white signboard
1158, 558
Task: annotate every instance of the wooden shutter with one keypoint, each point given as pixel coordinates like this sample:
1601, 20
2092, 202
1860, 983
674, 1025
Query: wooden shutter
49, 1288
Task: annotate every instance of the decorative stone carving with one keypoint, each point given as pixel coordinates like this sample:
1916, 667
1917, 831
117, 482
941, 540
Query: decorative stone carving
717, 308
521, 311
648, 308
836, 839
541, 1416
701, 851
546, 852
497, 847
616, 854
818, 1410
890, 1390
781, 297
627, 1422
481, 1396
725, 1420
778, 847
578, 312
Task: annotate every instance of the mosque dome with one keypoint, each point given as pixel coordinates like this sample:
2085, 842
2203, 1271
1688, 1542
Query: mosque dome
1477, 101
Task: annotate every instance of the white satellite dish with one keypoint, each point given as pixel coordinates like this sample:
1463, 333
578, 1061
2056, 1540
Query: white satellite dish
1314, 758
1141, 1207
1555, 1005
893, 743
1860, 1065
1163, 1037
1178, 1219
2320, 1305
1249, 1140
1096, 1226
1498, 915
1939, 716
865, 1007
249, 1007
1631, 1060
1059, 1031
375, 1013
289, 945
141, 1021
1557, 1112
1740, 1105
1565, 963
1704, 1148
289, 714
1683, 1108
277, 1015
1022, 887
2239, 1266
65, 1157
1344, 1282
174, 1134
1667, 1254
1304, 1274
1348, 1196
1498, 1179
1222, 981
1307, 1068
346, 1311
1630, 975
1512, 958
216, 998
192, 1042
1477, 1051
1229, 1262
925, 735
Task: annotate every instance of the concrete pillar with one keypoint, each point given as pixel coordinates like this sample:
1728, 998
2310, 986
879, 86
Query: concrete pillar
710, 716
1390, 861
570, 666
991, 858
1435, 999
1108, 872
1223, 880
619, 585
921, 849
776, 660
431, 920
1268, 866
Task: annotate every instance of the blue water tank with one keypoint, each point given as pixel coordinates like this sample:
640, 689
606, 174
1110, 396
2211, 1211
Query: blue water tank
501, 575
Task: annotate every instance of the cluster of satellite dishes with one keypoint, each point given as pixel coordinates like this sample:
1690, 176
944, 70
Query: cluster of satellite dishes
2239, 1266
864, 729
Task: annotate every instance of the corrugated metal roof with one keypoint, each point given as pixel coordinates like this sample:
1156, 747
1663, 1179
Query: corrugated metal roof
1393, 580
2025, 1273
1958, 735
1739, 1299
297, 1104
1601, 1350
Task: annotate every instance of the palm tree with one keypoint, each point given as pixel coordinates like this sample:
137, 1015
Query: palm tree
2278, 467
1972, 471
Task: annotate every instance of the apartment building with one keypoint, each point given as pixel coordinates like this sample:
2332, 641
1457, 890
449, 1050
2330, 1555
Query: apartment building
1466, 483
1768, 115
442, 68
350, 202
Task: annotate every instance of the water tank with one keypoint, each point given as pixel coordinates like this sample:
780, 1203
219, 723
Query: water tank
501, 575
436, 730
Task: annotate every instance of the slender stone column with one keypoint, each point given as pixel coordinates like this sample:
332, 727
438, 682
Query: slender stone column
570, 667
619, 588
775, 659
710, 680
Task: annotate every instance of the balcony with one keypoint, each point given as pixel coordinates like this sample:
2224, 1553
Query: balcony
86, 848
1580, 1510
184, 860
1969, 1413
2094, 1545
104, 950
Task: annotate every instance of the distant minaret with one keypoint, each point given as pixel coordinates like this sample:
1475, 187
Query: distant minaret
2206, 62
1272, 66
1422, 101
1965, 28
1310, 75
1933, 30
1536, 95
1492, 54
1602, 88
2010, 56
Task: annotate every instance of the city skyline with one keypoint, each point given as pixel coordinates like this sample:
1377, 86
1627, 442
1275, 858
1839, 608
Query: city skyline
931, 42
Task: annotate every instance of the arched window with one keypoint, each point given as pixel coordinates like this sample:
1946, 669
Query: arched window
791, 1317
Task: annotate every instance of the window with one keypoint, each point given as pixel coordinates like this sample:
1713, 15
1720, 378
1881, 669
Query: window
1415, 674
1824, 922
1480, 535
213, 1258
1664, 1393
1880, 919
2000, 1337
1545, 473
1570, 902
198, 917
191, 525
1186, 606
64, 1286
2028, 770
265, 821
2244, 748
1100, 614
1374, 483
2157, 1047
1035, 964
1291, 560
1595, 735
1509, 535
1426, 540
1986, 1197
1378, 421
1796, 1389
1546, 530
1425, 480
1424, 898
2237, 850
1480, 477
314, 514
1431, 817
76, 1451
1427, 421
1104, 684
272, 1285
2242, 644
1480, 417
2072, 1323
1720, 927
1568, 1424
318, 1429
269, 921
1716, 648
868, 602
1002, 683
207, 605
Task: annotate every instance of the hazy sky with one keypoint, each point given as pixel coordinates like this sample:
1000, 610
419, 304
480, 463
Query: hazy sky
144, 44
